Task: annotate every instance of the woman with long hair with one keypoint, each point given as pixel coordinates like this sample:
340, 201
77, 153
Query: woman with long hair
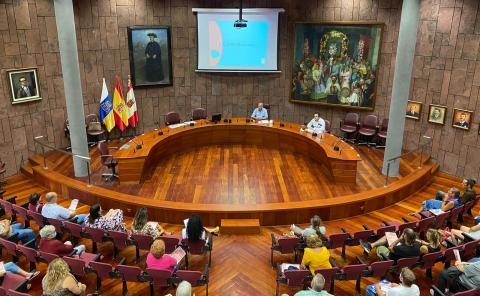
314, 228
195, 230
112, 220
58, 280
141, 225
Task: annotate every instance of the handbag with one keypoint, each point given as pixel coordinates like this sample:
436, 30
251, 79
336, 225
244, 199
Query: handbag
94, 126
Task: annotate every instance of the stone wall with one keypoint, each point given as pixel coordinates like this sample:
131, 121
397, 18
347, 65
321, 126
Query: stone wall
28, 31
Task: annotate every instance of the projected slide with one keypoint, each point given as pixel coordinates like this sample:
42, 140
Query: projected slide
233, 47
224, 47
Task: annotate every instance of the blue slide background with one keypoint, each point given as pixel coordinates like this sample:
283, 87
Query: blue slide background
245, 46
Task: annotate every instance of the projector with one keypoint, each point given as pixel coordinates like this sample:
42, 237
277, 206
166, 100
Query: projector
240, 24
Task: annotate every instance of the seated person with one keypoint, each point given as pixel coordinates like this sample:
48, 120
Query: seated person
314, 228
141, 225
183, 289
112, 220
448, 201
259, 113
469, 194
316, 125
473, 231
157, 258
317, 284
406, 287
49, 243
14, 268
59, 281
404, 247
7, 229
54, 211
34, 204
315, 255
461, 277
195, 230
433, 242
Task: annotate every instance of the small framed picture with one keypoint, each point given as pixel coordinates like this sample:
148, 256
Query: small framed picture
414, 109
436, 114
24, 85
462, 119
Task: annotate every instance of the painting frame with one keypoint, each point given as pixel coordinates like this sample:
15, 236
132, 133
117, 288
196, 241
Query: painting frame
24, 86
411, 114
354, 101
442, 113
146, 73
457, 115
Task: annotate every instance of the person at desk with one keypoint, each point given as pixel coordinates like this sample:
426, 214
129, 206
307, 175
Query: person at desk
316, 125
259, 113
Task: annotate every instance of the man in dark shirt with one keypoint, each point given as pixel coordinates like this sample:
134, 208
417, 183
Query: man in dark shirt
469, 193
404, 247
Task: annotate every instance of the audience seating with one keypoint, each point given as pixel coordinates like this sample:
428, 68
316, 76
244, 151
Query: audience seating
172, 118
120, 239
198, 248
195, 278
368, 130
473, 292
284, 245
96, 235
21, 212
3, 170
16, 293
353, 272
292, 278
349, 126
329, 274
12, 281
171, 242
142, 242
338, 240
104, 271
382, 134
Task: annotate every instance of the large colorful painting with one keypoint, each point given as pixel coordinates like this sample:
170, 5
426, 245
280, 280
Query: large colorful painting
336, 64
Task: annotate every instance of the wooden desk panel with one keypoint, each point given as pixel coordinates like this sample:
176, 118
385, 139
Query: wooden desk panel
134, 164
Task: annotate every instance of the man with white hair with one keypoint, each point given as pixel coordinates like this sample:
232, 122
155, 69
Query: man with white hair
260, 113
318, 283
54, 211
49, 243
183, 289
316, 125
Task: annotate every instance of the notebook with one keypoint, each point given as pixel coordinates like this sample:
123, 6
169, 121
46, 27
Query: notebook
285, 266
185, 222
73, 205
391, 237
436, 212
178, 254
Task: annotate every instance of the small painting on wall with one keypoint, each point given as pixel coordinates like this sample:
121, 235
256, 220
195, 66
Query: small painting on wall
436, 114
414, 109
24, 85
462, 119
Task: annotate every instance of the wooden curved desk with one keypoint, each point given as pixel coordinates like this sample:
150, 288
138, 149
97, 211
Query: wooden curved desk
134, 164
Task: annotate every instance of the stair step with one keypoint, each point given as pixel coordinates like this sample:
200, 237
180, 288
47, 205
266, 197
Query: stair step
37, 159
240, 226
27, 170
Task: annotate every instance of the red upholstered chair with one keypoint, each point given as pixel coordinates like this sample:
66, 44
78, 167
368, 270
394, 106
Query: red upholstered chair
11, 248
472, 292
284, 245
329, 275
172, 118
328, 126
47, 257
381, 231
74, 229
382, 134
103, 271
107, 160
424, 224
454, 213
353, 272
159, 277
349, 126
8, 209
22, 212
57, 224
368, 129
407, 262
470, 249
13, 281
96, 235
94, 128
199, 113
3, 170
120, 241
338, 240
292, 278
195, 278
198, 248
440, 220
171, 242
448, 255
142, 242
429, 260
31, 254
380, 269
37, 217
130, 274
16, 293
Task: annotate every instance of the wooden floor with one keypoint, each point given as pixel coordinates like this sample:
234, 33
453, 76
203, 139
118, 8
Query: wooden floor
241, 174
240, 263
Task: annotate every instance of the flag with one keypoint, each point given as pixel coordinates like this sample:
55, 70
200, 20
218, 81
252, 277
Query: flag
106, 109
119, 107
132, 113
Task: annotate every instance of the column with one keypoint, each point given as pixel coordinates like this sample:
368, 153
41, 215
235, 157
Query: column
67, 40
407, 38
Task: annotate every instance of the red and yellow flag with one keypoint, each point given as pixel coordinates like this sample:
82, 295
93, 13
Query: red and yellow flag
119, 107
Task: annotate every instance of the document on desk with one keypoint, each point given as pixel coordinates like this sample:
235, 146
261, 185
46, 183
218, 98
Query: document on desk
391, 237
436, 212
265, 121
124, 147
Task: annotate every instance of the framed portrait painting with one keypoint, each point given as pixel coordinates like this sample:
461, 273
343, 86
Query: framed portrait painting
150, 55
336, 64
24, 85
414, 110
437, 114
462, 119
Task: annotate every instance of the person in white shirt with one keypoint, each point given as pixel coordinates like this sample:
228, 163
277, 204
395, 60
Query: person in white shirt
406, 287
316, 125
259, 113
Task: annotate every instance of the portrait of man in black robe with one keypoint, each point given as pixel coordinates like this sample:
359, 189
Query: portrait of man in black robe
153, 60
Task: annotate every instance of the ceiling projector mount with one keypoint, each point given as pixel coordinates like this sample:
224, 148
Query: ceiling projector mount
240, 23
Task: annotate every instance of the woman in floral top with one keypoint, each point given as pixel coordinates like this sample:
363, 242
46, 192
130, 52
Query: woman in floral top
141, 225
112, 220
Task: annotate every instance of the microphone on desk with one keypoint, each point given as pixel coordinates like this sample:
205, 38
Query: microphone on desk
160, 132
138, 145
336, 147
